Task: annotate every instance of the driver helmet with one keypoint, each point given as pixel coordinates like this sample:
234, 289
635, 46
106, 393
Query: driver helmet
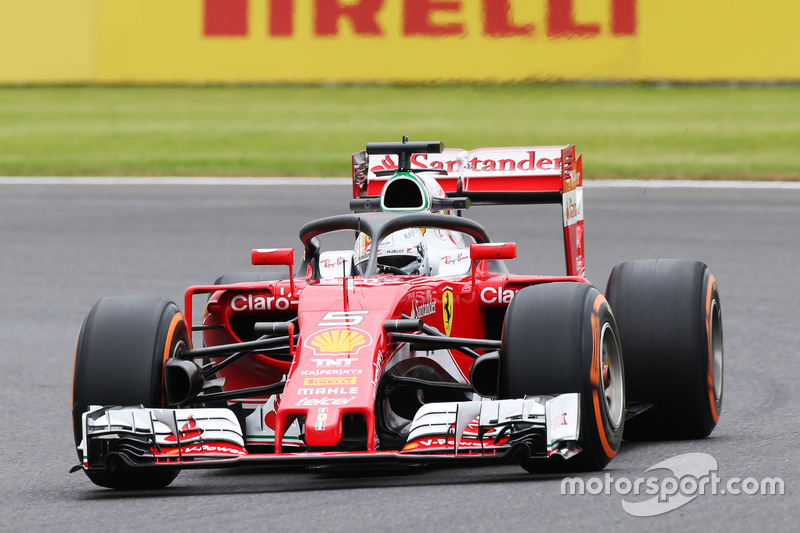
402, 252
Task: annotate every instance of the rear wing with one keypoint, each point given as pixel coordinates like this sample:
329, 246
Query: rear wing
495, 176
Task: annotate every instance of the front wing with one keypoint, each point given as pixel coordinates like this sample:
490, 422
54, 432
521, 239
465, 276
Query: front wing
538, 427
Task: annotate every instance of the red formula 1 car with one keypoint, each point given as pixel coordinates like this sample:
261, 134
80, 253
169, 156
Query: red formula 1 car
404, 339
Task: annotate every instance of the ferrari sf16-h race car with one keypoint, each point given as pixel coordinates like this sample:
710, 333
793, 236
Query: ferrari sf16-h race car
410, 343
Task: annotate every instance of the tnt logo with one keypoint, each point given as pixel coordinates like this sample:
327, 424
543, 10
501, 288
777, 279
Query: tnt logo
421, 18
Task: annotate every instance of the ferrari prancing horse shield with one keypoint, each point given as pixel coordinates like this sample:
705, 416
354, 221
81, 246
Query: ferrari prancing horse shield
447, 311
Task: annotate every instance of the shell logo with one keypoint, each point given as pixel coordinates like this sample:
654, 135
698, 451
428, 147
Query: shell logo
338, 341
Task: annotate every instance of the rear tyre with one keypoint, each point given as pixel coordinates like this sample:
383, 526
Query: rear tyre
119, 360
670, 323
562, 338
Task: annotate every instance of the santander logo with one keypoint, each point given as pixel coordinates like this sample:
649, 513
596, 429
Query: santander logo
482, 161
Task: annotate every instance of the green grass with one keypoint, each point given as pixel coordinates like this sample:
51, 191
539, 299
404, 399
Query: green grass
626, 131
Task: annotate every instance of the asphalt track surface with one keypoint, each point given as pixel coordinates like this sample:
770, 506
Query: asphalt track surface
64, 247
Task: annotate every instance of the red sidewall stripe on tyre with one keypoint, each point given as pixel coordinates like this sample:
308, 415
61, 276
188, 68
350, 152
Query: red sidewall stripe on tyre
712, 283
594, 376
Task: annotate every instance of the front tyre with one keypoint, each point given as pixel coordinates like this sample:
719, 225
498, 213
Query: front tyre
119, 360
562, 338
670, 323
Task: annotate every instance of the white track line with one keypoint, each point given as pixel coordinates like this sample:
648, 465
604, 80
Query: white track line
599, 184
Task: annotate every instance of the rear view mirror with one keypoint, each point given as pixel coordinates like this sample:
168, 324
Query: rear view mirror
493, 251
272, 256
275, 256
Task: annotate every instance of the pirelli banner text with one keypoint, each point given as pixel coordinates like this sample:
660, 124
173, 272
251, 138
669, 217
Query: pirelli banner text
318, 41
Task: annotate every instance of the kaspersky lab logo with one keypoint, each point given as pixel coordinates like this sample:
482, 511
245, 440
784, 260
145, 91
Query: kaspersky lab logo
692, 475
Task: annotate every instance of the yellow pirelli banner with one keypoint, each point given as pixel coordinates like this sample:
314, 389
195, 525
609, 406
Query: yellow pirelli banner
320, 41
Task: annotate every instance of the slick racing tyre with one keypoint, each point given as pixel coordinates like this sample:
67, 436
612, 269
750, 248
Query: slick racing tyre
119, 360
670, 323
562, 338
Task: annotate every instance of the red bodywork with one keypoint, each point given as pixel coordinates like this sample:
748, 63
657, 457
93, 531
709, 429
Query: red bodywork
342, 350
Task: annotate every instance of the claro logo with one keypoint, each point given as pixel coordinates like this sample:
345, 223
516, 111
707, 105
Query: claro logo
420, 18
250, 302
497, 295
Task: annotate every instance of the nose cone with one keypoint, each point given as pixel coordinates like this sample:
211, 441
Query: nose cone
332, 384
323, 427
323, 409
322, 402
333, 377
